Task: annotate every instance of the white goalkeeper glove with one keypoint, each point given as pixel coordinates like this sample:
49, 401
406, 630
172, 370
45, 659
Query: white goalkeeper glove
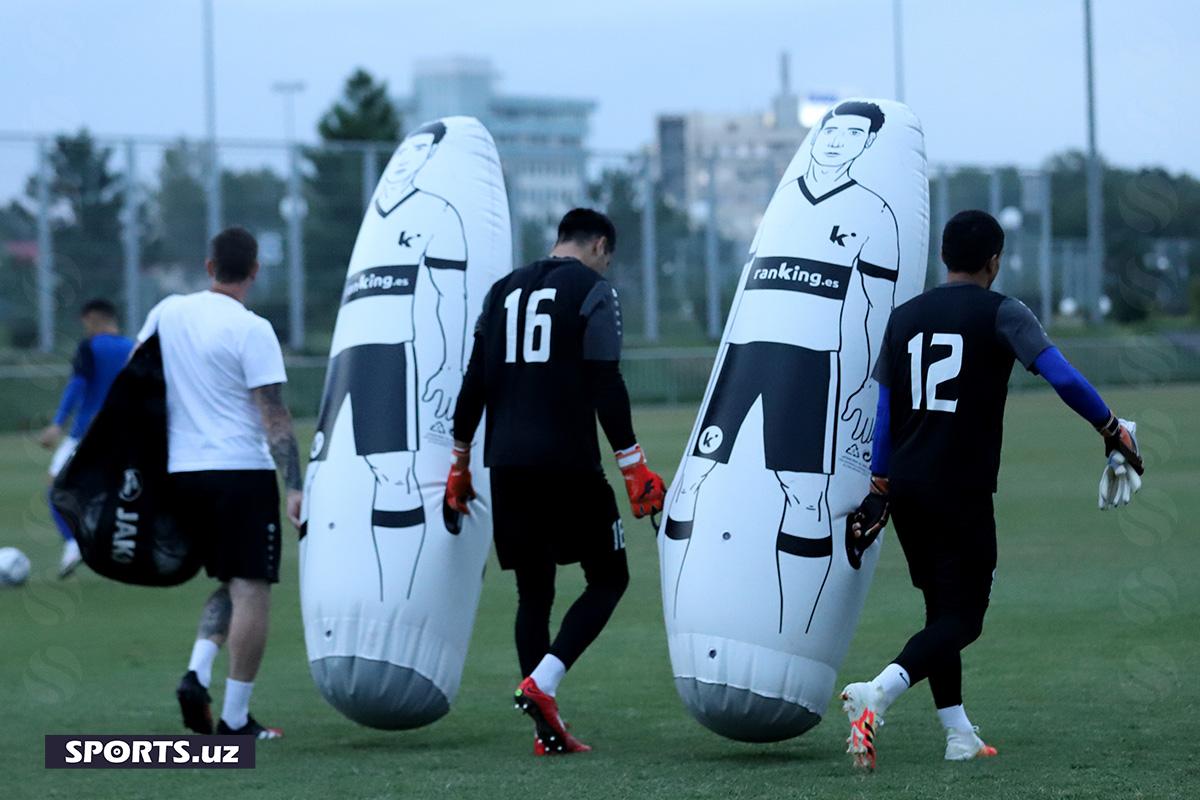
1122, 476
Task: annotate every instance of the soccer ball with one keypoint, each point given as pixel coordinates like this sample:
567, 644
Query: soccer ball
14, 567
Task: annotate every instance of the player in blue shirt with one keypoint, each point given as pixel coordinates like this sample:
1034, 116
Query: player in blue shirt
98, 359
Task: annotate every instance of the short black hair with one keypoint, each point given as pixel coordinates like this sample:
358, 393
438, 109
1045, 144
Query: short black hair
970, 239
234, 252
438, 129
857, 108
99, 305
582, 225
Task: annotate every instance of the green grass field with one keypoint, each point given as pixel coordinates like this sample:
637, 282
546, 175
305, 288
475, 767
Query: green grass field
1084, 677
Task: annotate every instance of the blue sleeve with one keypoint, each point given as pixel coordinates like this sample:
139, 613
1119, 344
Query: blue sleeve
71, 397
1071, 386
881, 445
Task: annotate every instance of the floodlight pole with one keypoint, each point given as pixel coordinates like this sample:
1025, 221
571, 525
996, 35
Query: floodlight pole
1095, 205
943, 216
289, 90
712, 278
131, 238
46, 278
649, 252
213, 189
1045, 279
995, 205
295, 216
898, 46
370, 175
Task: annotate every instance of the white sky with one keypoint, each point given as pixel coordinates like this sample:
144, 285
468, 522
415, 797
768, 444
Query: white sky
994, 81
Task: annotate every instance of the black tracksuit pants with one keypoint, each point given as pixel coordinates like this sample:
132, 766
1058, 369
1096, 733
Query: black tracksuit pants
950, 545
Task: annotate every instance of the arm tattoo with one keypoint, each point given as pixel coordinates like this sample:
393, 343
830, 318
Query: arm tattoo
277, 421
214, 619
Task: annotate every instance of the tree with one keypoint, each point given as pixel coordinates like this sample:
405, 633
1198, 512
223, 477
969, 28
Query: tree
1143, 209
334, 186
18, 229
615, 192
680, 269
16, 223
364, 113
85, 198
536, 238
252, 199
1146, 212
182, 227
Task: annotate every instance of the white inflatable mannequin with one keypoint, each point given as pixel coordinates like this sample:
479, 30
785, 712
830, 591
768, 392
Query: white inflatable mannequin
388, 594
759, 598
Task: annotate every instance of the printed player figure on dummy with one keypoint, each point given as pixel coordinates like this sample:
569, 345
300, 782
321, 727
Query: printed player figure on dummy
819, 261
376, 370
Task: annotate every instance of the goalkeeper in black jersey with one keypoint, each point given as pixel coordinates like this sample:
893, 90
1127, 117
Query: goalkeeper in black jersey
546, 365
943, 377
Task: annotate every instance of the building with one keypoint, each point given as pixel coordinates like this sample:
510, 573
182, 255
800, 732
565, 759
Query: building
541, 140
745, 153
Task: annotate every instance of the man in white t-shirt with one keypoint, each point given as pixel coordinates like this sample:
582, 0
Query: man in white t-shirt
227, 432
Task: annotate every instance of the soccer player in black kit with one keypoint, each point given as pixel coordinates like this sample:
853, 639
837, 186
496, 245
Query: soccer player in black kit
943, 376
546, 364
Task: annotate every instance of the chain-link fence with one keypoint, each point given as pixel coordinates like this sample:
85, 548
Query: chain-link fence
129, 218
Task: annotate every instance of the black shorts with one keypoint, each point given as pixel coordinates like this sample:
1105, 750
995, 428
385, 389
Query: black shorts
799, 391
553, 515
381, 382
234, 516
950, 544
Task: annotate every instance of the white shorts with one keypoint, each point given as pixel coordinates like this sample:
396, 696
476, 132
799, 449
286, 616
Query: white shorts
64, 450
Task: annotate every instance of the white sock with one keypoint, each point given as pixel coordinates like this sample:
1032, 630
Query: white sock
549, 671
892, 683
954, 717
204, 652
237, 702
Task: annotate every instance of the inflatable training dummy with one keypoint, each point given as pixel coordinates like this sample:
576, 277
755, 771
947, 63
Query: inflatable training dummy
388, 593
759, 596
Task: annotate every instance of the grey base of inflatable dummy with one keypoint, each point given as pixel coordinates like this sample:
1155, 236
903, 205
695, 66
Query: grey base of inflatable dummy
378, 694
743, 715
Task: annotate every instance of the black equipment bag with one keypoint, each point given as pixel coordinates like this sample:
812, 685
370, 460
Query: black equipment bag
113, 492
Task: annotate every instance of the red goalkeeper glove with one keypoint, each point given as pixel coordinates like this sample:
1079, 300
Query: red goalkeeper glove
646, 489
458, 489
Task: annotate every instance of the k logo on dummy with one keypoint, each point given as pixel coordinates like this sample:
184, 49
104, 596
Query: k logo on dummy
759, 598
388, 594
